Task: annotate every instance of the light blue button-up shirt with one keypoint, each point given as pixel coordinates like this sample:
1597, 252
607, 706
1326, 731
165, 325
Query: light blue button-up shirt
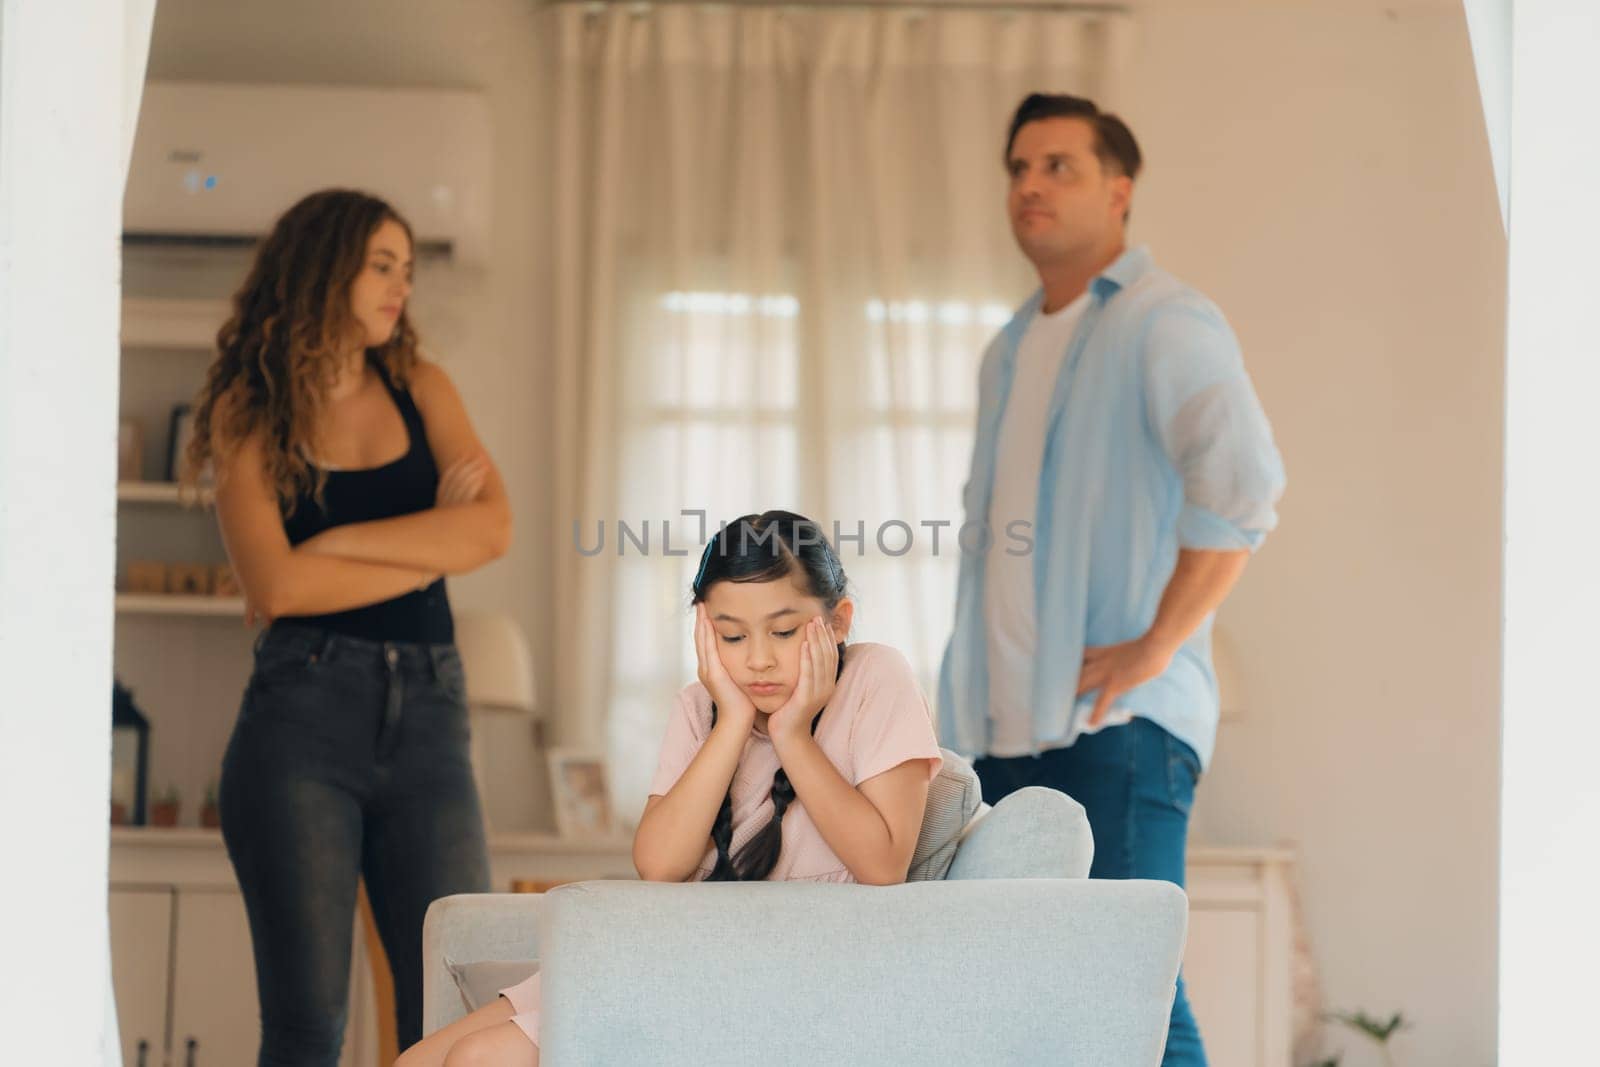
1155, 442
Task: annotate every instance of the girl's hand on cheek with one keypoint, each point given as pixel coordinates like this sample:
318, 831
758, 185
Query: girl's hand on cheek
819, 664
733, 707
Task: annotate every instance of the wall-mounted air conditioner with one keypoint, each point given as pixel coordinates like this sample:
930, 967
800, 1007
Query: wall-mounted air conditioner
217, 164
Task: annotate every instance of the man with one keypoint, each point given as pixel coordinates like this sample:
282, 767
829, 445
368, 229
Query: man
1125, 471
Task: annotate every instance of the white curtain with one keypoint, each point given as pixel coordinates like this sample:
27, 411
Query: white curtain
781, 246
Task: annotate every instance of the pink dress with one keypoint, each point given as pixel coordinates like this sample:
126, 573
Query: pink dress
876, 720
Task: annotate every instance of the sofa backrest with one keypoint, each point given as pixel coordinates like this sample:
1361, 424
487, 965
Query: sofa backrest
1023, 971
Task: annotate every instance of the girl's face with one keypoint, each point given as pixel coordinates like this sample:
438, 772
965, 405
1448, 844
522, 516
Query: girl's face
380, 291
760, 627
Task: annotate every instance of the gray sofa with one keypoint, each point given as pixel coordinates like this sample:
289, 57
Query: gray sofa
1011, 957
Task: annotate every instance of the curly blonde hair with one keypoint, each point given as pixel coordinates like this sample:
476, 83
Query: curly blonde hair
282, 347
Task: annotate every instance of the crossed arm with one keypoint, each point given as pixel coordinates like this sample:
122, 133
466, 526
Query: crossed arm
366, 563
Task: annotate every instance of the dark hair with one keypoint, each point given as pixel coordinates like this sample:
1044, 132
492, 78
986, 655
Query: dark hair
287, 331
1113, 141
766, 548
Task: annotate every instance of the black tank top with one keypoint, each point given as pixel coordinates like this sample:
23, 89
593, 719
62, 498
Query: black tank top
407, 485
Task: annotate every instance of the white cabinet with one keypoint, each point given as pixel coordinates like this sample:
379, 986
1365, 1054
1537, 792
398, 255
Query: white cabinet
181, 968
183, 963
141, 943
213, 981
1238, 962
184, 974
1221, 959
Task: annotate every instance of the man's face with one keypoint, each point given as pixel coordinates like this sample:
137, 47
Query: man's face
1063, 203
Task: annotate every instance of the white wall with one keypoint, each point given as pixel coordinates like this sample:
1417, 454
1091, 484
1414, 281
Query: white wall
1322, 170
1551, 797
60, 190
1489, 26
485, 327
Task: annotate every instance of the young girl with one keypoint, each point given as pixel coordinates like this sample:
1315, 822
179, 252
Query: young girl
349, 482
792, 758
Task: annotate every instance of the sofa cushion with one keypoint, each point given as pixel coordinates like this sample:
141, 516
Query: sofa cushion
954, 796
1032, 833
480, 982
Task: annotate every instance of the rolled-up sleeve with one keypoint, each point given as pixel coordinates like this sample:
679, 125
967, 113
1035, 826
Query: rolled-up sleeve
1205, 412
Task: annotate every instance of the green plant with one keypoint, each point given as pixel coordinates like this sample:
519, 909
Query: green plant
1378, 1031
168, 795
211, 794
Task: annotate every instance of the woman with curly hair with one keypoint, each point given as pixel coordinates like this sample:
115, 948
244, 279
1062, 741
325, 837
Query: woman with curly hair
350, 482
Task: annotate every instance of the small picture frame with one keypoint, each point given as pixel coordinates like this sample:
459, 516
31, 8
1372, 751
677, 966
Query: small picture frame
582, 792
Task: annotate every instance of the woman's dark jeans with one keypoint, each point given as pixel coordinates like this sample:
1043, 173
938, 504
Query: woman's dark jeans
349, 760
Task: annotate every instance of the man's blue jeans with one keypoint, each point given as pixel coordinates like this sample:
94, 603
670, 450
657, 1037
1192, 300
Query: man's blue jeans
1136, 782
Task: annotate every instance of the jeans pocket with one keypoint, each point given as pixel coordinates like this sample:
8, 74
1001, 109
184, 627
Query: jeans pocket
281, 671
1183, 774
450, 675
286, 657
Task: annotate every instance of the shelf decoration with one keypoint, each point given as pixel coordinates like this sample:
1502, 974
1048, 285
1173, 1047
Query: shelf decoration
130, 758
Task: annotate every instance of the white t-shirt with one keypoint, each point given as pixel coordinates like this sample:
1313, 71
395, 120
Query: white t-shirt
1009, 610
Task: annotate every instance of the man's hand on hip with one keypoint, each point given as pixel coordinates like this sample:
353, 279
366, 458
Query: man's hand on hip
1115, 669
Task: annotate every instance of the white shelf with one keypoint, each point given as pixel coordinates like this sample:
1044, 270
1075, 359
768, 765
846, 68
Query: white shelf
191, 857
190, 836
158, 493
185, 324
177, 604
170, 836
